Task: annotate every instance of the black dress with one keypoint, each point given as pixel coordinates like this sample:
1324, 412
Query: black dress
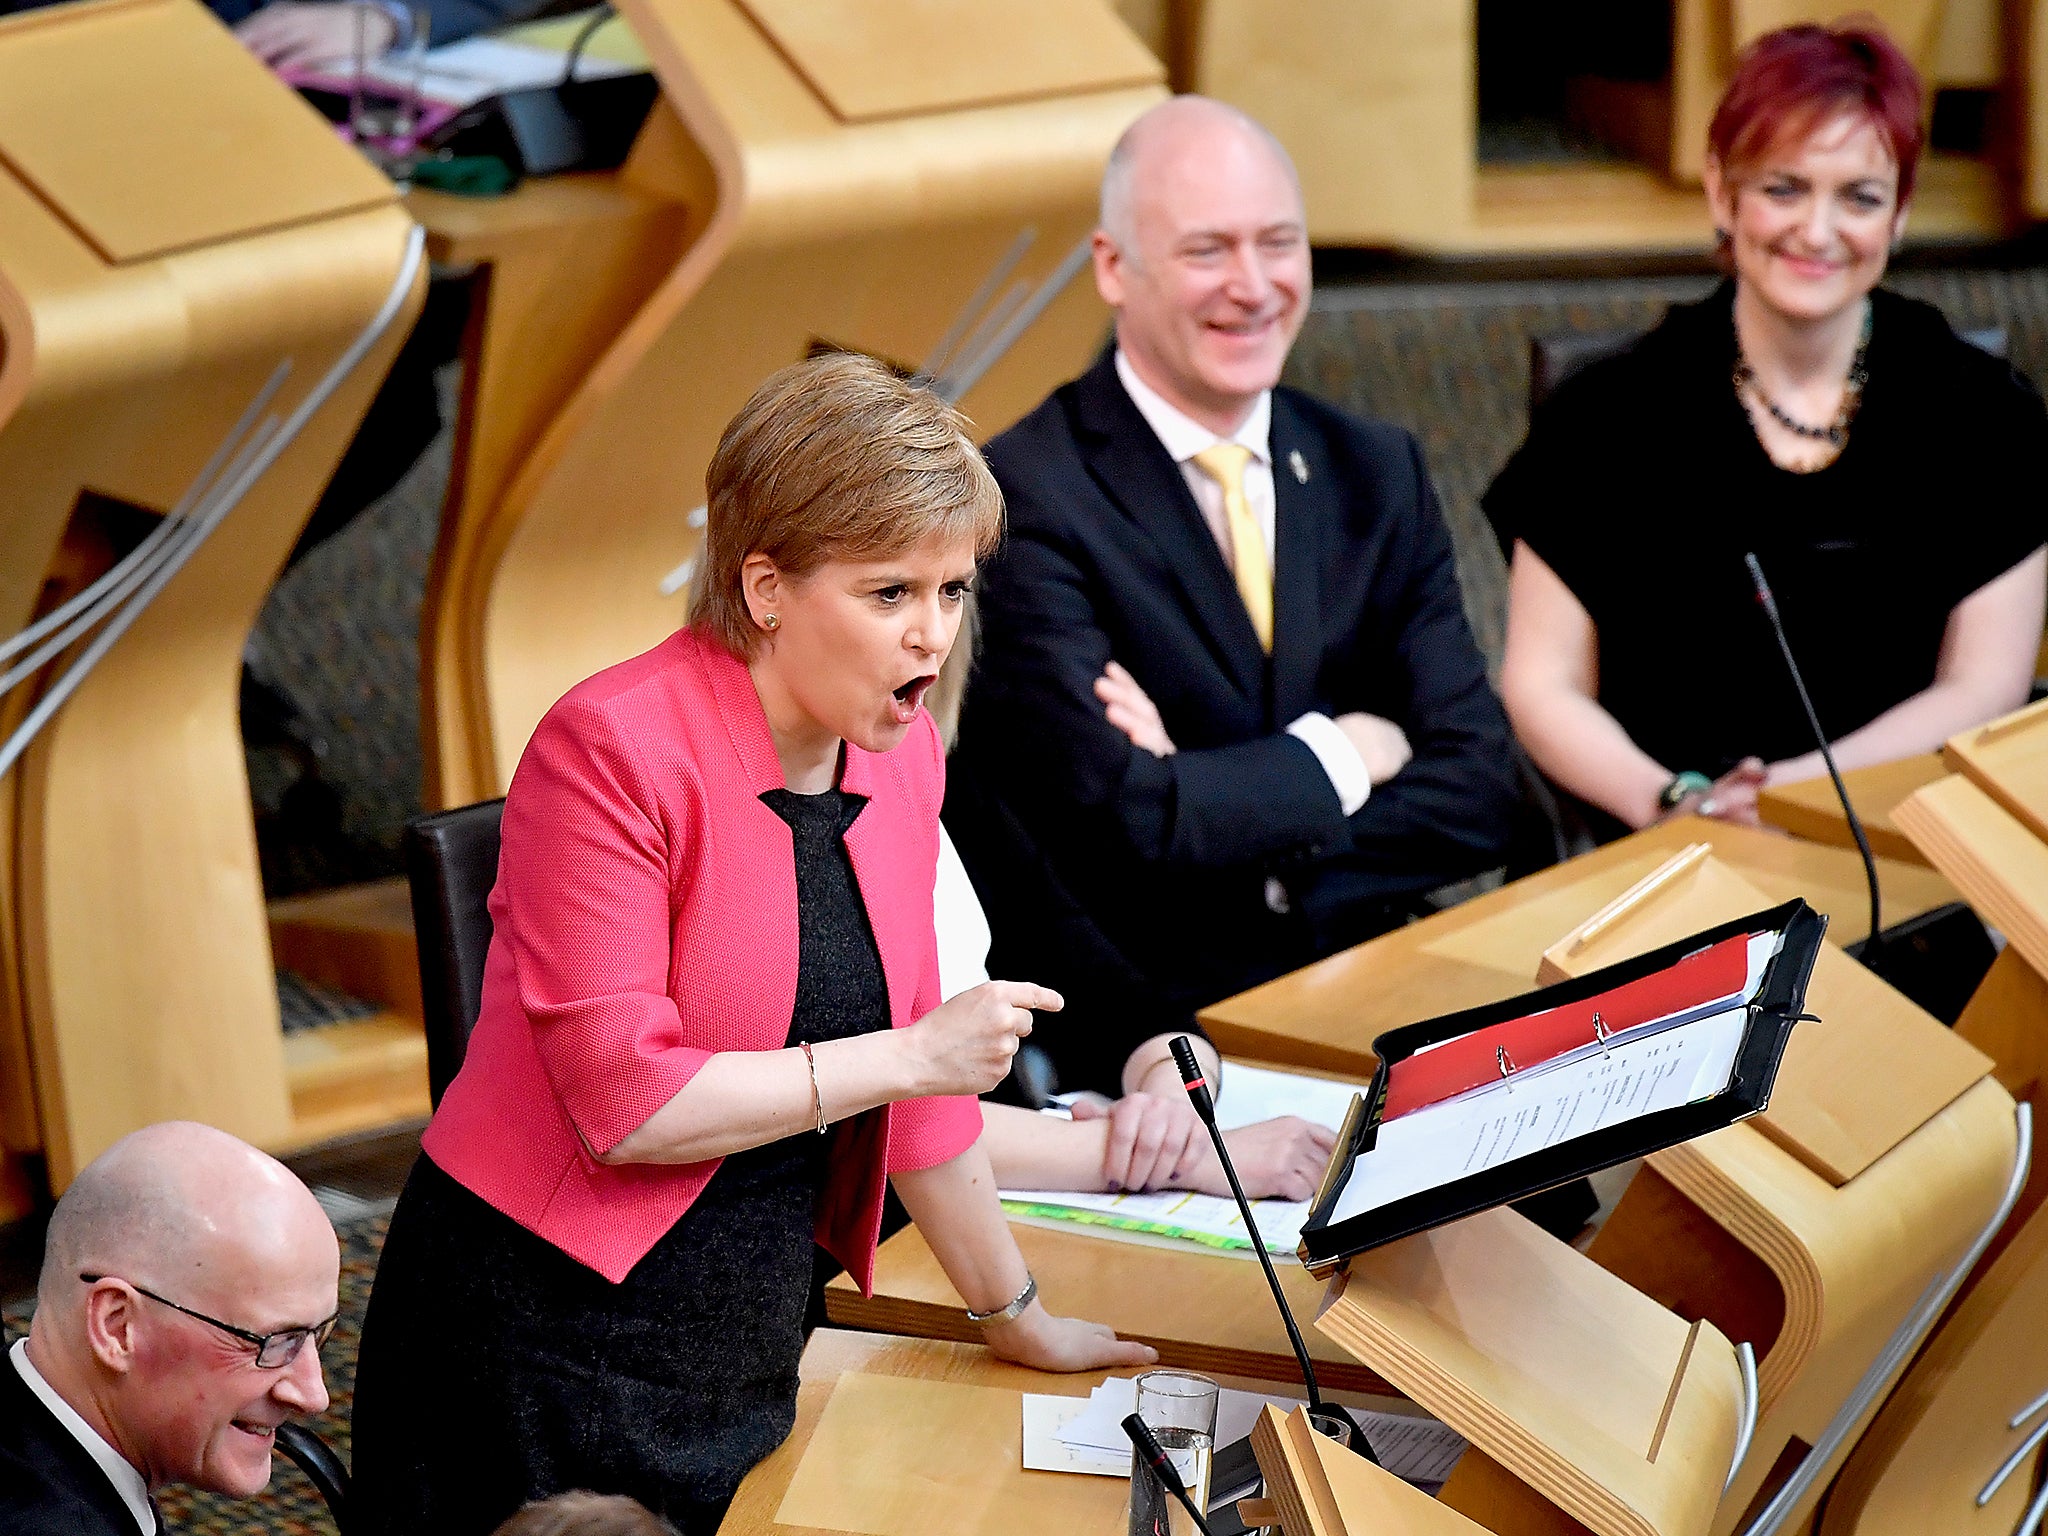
496, 1369
1642, 484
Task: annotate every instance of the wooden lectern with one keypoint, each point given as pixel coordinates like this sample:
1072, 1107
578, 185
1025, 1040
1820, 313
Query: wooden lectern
853, 171
1959, 1447
1819, 1229
1581, 1396
1752, 1233
1318, 1488
173, 222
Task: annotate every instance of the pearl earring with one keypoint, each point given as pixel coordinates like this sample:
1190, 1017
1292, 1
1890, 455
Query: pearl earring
770, 621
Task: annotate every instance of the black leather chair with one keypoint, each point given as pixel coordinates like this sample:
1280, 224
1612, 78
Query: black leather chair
451, 862
316, 1458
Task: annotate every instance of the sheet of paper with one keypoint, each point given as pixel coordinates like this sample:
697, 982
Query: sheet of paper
1072, 1434
1250, 1094
462, 74
1533, 1110
1046, 1451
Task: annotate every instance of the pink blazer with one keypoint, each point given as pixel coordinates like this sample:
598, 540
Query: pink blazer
645, 917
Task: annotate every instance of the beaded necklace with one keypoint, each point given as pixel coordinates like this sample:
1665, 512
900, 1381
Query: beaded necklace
1836, 433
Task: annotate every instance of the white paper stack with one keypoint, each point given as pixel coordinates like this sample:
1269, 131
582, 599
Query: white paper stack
1085, 1434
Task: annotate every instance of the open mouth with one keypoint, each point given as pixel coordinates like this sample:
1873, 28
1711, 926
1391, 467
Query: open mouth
911, 695
263, 1432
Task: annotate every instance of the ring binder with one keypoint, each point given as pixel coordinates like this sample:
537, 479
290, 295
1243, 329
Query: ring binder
1605, 1067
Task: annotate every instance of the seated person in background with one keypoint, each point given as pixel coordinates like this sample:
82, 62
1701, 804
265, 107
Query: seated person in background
1885, 473
188, 1282
586, 1514
285, 33
1119, 1138
1228, 695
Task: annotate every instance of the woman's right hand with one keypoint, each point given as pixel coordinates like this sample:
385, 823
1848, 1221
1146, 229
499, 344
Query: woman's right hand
1048, 1343
964, 1045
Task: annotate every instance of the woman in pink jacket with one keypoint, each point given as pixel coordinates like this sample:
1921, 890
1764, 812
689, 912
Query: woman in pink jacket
711, 1016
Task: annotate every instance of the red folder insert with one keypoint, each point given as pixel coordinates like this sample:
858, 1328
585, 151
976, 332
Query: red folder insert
1474, 1060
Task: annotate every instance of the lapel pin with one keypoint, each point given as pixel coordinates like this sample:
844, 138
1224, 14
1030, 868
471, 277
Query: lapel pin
1299, 465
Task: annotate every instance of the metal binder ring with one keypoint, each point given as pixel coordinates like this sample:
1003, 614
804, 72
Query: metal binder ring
1505, 1061
1602, 1034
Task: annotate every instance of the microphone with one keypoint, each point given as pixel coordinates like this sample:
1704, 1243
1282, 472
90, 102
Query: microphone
1154, 1456
1770, 606
1198, 1094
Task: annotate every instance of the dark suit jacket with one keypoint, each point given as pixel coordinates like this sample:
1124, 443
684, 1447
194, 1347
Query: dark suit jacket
49, 1486
1107, 556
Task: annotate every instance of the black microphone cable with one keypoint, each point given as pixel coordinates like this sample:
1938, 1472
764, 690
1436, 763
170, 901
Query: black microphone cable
584, 34
1205, 1106
1770, 607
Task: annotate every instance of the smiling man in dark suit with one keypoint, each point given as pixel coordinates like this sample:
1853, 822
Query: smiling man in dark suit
187, 1283
1227, 694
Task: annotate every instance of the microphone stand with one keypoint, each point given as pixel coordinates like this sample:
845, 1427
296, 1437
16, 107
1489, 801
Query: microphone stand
1205, 1106
1875, 943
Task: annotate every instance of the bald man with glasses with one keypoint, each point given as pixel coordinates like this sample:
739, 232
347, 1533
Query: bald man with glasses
188, 1283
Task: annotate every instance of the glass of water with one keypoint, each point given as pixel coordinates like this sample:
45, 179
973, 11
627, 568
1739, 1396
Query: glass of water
1180, 1407
384, 106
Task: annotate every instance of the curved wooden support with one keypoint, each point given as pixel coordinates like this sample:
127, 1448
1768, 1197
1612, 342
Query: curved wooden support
146, 291
840, 212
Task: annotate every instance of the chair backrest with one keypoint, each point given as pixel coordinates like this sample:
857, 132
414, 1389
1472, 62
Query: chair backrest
316, 1458
1555, 358
451, 862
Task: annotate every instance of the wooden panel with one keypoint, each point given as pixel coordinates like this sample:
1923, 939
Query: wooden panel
1323, 1489
983, 1454
1921, 1465
1841, 1101
1996, 860
1221, 1319
2008, 760
249, 155
1609, 1406
1327, 1014
871, 60
1375, 99
1970, 49
1811, 809
357, 939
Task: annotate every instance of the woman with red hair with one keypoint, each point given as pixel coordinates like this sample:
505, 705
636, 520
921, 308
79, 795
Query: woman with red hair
1885, 473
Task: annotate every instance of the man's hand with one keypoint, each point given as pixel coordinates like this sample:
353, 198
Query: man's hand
1132, 711
295, 32
1381, 745
1282, 1158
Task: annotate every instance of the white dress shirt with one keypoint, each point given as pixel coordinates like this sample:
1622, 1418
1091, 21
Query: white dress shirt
126, 1480
1183, 438
962, 926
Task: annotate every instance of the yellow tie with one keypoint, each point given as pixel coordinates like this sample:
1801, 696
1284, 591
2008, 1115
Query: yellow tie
1225, 464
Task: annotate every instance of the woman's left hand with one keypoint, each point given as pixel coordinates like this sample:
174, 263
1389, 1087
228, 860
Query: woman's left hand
1065, 1344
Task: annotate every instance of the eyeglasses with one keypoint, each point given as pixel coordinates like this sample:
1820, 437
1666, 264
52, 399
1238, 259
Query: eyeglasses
274, 1351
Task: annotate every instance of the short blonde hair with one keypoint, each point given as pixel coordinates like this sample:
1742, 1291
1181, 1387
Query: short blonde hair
836, 458
585, 1514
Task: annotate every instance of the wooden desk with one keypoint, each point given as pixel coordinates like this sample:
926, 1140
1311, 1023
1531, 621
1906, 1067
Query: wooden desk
1327, 1014
1810, 809
1202, 1311
173, 222
946, 1462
